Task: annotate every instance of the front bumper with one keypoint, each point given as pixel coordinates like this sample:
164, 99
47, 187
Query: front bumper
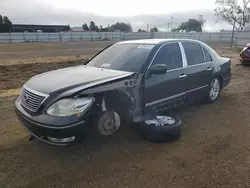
50, 133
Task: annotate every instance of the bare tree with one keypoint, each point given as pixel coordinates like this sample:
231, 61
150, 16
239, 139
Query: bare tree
233, 12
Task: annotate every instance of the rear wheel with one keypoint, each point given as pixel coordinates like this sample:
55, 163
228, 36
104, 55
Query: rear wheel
214, 91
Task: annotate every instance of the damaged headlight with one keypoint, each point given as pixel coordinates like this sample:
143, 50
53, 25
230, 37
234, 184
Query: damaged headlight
68, 107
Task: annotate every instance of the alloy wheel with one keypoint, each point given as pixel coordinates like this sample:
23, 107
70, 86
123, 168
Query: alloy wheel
214, 89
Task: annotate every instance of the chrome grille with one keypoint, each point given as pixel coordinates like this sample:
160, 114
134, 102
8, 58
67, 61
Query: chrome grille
31, 99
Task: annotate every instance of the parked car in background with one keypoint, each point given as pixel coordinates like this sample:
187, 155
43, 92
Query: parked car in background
245, 55
129, 80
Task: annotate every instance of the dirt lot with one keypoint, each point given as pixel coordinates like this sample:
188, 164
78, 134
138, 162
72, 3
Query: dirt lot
214, 150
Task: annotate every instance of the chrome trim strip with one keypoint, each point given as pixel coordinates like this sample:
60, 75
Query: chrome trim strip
50, 127
197, 88
183, 54
173, 96
157, 53
174, 69
197, 64
35, 92
164, 99
227, 78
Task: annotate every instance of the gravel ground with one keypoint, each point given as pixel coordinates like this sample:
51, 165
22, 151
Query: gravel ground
212, 152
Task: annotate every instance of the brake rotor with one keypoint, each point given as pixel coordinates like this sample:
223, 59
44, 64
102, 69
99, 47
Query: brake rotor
108, 123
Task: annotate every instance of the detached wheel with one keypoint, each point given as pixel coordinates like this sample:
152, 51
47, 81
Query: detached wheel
214, 91
160, 129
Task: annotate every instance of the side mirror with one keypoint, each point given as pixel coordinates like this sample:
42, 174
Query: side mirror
158, 69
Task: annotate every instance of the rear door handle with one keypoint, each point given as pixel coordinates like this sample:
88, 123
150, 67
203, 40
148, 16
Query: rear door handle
209, 68
182, 76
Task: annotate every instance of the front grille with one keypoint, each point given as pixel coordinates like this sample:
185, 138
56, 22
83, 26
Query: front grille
32, 100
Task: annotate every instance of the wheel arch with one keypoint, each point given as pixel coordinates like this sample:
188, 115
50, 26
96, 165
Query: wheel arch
118, 101
220, 80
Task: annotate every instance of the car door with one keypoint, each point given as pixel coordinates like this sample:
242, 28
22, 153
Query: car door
166, 88
199, 70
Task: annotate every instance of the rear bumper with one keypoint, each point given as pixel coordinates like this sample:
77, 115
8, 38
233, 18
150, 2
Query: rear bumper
51, 134
226, 81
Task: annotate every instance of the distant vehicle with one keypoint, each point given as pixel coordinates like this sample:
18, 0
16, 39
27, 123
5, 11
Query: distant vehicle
129, 80
245, 55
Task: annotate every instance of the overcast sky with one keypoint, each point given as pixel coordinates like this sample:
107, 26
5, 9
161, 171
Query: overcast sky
137, 12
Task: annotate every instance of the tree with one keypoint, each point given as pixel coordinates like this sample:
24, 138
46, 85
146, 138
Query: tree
92, 26
96, 28
85, 27
105, 29
100, 28
1, 19
190, 25
232, 12
154, 29
123, 27
5, 24
6, 21
141, 30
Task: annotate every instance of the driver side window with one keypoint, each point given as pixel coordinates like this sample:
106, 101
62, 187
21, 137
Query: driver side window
170, 55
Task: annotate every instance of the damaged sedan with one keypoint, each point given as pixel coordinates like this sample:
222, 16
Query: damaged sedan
129, 81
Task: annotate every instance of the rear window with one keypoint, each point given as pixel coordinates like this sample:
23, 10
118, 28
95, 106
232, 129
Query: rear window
207, 56
124, 57
194, 53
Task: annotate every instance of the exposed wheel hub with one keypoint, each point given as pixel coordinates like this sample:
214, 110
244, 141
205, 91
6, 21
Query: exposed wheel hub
108, 123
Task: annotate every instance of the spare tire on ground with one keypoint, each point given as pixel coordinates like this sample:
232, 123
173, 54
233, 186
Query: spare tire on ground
160, 129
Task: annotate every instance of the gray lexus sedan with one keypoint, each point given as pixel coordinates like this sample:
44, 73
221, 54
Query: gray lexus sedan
126, 82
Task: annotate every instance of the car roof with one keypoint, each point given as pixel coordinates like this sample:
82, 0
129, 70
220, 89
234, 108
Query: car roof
155, 41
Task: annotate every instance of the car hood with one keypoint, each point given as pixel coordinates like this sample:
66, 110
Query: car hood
72, 77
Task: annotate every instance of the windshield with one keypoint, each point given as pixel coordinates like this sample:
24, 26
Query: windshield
124, 57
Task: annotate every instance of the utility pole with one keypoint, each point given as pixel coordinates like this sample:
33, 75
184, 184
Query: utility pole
171, 23
147, 27
201, 18
168, 27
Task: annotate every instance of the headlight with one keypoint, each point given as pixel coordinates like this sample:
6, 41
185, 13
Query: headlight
68, 107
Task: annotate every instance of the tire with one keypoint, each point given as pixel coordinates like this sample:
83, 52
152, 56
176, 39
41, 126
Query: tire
214, 91
158, 130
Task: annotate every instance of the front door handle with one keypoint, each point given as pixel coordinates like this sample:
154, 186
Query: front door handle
182, 76
209, 68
